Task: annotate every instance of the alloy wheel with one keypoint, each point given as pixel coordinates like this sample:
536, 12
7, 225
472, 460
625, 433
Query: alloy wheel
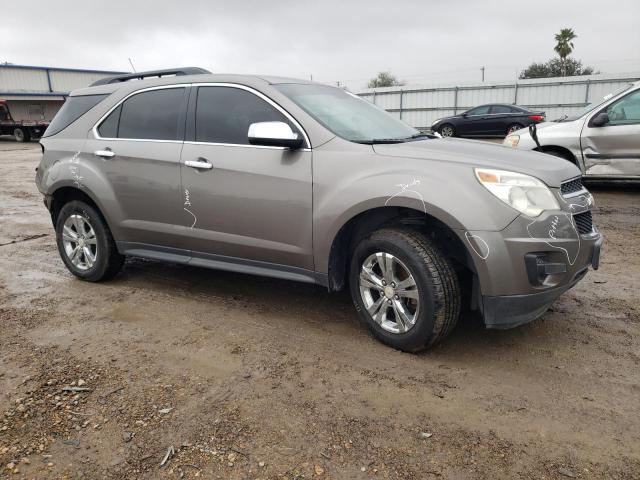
79, 241
389, 292
446, 131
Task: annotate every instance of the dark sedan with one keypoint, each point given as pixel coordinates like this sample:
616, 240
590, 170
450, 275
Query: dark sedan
494, 120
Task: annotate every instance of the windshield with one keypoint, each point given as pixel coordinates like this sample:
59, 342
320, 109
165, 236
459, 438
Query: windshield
594, 105
348, 115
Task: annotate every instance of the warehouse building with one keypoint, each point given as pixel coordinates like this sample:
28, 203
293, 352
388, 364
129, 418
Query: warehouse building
35, 94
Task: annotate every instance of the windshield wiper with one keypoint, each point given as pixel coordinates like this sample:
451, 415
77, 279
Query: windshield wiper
381, 140
421, 135
394, 140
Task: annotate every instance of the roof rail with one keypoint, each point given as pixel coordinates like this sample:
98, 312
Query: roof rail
178, 72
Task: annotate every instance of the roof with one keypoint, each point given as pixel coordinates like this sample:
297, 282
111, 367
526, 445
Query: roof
132, 85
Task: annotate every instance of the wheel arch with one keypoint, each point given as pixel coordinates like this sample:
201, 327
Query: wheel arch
65, 194
365, 222
566, 153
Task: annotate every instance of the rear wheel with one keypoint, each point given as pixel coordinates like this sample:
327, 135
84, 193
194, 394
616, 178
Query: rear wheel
404, 288
513, 127
447, 130
21, 135
85, 243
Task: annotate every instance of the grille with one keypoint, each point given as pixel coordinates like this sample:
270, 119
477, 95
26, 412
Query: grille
584, 222
572, 186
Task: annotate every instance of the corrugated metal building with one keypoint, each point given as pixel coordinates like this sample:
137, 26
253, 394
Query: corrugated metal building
37, 93
420, 106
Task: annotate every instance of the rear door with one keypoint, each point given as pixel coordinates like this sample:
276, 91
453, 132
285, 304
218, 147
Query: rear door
501, 117
614, 149
137, 149
248, 202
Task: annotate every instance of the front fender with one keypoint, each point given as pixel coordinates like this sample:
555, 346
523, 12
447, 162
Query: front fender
462, 205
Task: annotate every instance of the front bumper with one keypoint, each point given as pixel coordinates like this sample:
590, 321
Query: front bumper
524, 268
509, 311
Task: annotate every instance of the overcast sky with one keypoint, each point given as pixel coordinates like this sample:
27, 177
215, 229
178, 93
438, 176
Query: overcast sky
334, 40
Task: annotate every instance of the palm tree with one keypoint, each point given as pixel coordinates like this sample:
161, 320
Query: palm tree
564, 45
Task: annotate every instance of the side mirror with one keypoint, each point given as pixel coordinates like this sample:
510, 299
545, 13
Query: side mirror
274, 134
600, 120
465, 115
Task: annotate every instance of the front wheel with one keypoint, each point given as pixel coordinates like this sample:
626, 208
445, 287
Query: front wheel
404, 288
85, 243
447, 130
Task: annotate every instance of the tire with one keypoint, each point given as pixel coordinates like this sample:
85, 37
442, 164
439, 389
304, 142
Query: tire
78, 222
513, 127
21, 135
436, 309
447, 130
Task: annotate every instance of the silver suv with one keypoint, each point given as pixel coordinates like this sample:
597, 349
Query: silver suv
603, 139
302, 181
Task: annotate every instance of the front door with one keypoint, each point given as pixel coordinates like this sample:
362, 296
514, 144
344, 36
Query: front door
475, 123
137, 150
242, 201
614, 148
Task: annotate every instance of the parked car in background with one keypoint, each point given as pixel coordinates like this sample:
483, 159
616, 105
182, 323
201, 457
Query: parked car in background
301, 181
31, 125
493, 120
603, 139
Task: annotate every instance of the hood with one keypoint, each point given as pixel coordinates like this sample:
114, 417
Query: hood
446, 118
551, 170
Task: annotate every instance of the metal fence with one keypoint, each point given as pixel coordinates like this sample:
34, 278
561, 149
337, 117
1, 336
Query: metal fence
420, 106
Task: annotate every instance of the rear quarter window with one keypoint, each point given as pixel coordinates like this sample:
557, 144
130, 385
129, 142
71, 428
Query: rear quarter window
73, 109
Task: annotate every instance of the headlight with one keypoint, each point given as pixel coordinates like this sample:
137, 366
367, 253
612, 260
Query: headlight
512, 140
526, 194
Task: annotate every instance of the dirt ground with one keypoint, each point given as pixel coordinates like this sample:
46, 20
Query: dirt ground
239, 377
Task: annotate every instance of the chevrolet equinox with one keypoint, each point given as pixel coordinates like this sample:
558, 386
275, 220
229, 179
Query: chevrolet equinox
302, 181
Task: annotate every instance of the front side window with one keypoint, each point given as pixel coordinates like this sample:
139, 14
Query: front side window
626, 110
348, 115
73, 108
151, 115
224, 114
479, 110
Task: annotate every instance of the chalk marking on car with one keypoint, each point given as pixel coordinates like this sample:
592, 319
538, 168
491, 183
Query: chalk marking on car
552, 230
406, 187
187, 203
480, 241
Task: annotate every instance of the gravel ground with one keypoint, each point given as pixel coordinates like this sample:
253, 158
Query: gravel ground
229, 376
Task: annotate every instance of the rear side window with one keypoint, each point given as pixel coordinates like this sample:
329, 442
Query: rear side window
109, 128
502, 109
152, 115
72, 109
223, 115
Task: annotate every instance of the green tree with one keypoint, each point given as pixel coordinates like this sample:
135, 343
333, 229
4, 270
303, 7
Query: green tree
563, 66
384, 79
556, 68
564, 45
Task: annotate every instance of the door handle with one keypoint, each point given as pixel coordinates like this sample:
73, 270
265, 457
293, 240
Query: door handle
199, 164
106, 153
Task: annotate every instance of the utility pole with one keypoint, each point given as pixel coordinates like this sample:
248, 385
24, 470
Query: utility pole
482, 70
